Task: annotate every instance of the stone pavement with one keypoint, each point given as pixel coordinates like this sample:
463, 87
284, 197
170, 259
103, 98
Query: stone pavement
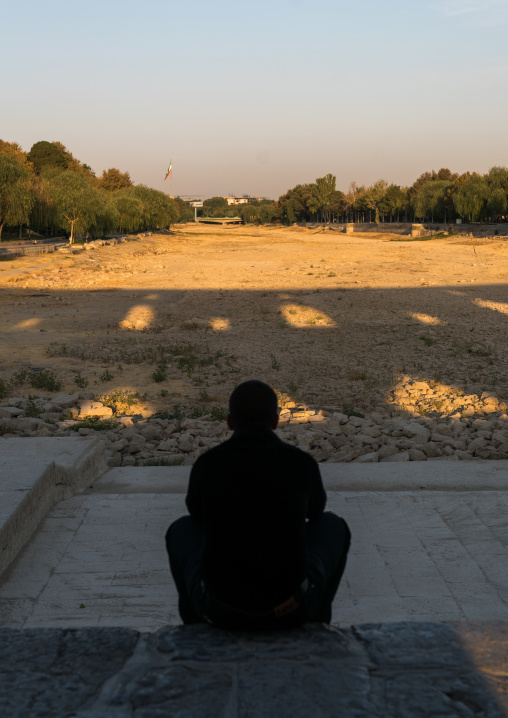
402, 670
417, 554
430, 543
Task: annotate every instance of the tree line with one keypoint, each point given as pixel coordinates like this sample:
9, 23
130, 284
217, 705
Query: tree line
441, 196
50, 191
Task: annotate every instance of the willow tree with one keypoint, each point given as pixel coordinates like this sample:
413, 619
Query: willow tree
470, 198
76, 200
16, 193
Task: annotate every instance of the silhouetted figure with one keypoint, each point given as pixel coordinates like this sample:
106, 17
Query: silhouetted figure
258, 551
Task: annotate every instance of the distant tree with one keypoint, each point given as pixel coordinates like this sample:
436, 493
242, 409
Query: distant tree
113, 180
373, 197
185, 211
471, 197
350, 199
322, 196
394, 202
215, 207
44, 155
266, 212
430, 200
498, 176
129, 209
293, 206
15, 150
76, 200
497, 202
443, 174
16, 193
497, 180
250, 213
159, 210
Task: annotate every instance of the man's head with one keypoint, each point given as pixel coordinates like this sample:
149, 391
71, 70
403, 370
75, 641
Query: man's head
253, 404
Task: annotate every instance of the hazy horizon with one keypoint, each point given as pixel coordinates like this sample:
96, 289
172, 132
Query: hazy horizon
255, 101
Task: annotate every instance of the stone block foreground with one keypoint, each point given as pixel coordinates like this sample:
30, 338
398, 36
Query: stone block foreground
375, 670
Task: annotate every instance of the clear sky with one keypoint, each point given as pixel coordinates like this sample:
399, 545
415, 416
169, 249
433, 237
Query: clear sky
256, 97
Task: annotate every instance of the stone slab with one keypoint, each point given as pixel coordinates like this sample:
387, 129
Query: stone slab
35, 473
401, 670
410, 476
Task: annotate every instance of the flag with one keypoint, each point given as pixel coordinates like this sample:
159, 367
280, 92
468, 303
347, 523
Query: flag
168, 172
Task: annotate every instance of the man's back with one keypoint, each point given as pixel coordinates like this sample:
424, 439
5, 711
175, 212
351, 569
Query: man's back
253, 494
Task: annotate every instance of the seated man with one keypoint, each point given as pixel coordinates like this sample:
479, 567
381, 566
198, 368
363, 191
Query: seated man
257, 551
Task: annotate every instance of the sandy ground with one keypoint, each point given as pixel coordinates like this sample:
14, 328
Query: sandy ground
328, 319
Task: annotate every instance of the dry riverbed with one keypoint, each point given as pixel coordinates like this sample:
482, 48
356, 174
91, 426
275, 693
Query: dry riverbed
365, 337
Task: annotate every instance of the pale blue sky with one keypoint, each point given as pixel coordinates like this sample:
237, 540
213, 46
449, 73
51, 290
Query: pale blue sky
257, 97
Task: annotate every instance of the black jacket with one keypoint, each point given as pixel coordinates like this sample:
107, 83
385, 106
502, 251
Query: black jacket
253, 493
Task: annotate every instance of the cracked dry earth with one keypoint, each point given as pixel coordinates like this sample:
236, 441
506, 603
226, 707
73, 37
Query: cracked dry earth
347, 323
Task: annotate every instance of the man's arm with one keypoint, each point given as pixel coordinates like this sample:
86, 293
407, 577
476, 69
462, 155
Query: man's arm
317, 501
193, 499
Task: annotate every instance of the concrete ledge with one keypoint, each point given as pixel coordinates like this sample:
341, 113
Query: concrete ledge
36, 473
375, 670
408, 476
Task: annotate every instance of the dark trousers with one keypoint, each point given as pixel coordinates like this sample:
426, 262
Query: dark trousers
328, 539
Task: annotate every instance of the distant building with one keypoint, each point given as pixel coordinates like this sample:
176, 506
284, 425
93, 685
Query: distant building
244, 199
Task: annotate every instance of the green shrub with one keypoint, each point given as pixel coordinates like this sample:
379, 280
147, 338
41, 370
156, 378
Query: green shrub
44, 379
80, 380
159, 374
96, 423
33, 407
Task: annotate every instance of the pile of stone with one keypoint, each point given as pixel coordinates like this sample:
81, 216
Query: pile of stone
96, 243
329, 434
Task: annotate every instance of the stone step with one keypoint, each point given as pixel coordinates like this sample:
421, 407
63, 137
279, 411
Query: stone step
404, 670
35, 473
411, 476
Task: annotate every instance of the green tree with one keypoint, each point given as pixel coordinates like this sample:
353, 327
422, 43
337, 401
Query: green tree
16, 192
185, 211
44, 155
322, 196
215, 207
431, 199
76, 200
266, 212
394, 202
293, 206
497, 202
113, 180
470, 199
497, 180
129, 209
159, 210
373, 197
250, 213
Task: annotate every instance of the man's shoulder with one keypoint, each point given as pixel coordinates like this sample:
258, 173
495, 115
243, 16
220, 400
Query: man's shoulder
275, 443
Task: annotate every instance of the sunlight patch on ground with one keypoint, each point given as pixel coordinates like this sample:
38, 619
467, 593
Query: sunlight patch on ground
501, 307
28, 323
220, 324
435, 399
427, 319
299, 315
139, 317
